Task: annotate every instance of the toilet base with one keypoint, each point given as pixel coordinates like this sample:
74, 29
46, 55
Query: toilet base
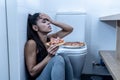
77, 61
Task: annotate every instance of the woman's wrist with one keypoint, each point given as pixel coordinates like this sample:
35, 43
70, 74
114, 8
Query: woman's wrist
55, 22
52, 21
49, 55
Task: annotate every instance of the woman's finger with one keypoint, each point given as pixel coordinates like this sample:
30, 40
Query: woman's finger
43, 15
52, 47
53, 52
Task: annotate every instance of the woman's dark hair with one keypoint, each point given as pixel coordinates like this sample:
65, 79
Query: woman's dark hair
31, 34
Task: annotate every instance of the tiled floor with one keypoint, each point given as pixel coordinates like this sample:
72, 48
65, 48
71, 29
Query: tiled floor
98, 73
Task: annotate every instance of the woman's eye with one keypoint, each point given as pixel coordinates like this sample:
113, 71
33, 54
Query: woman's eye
44, 21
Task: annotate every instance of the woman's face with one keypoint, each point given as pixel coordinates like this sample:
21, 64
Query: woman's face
44, 25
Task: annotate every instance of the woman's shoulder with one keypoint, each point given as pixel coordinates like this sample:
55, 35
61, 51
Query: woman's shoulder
30, 43
30, 47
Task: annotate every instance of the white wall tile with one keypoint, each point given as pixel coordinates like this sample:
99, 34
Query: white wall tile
4, 75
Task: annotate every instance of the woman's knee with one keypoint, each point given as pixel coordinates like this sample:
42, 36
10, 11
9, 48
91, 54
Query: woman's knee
59, 59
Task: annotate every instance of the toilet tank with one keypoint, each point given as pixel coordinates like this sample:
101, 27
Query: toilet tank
76, 20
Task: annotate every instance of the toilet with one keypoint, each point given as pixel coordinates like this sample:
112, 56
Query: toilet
76, 55
77, 58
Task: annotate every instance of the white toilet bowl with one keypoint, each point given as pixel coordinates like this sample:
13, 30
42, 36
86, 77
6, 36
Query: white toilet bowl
77, 59
77, 20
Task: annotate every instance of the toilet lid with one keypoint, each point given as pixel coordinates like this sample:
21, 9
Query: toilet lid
72, 50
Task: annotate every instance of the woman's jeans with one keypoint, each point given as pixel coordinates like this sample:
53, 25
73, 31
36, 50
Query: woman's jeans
58, 68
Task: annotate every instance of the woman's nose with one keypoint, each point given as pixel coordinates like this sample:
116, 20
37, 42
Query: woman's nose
48, 22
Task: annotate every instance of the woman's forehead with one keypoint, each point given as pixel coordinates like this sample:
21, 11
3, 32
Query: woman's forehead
39, 17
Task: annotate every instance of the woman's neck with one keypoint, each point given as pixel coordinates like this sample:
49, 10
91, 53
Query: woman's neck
43, 37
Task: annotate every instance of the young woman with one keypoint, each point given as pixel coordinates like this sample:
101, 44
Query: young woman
41, 62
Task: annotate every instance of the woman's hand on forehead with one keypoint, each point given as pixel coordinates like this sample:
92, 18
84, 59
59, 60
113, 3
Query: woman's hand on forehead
45, 16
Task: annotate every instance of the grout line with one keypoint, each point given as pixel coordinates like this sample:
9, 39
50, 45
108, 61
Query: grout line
7, 39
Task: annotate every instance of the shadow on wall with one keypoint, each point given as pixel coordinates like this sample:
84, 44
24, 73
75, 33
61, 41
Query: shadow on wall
111, 23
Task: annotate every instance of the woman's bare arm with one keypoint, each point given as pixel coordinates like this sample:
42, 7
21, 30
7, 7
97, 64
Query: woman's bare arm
30, 58
65, 28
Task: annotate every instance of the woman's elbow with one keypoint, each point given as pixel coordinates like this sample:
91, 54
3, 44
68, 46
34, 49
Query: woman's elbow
32, 73
70, 29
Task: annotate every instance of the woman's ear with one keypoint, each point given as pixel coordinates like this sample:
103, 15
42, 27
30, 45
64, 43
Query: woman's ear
35, 28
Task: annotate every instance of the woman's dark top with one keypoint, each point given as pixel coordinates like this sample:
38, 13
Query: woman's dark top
40, 57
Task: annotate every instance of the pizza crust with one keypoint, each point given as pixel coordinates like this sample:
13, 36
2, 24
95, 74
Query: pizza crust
55, 41
74, 44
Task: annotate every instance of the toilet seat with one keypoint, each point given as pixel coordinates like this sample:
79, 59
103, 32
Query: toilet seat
81, 50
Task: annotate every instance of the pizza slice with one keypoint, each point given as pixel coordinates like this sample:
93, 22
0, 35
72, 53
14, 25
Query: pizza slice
55, 41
